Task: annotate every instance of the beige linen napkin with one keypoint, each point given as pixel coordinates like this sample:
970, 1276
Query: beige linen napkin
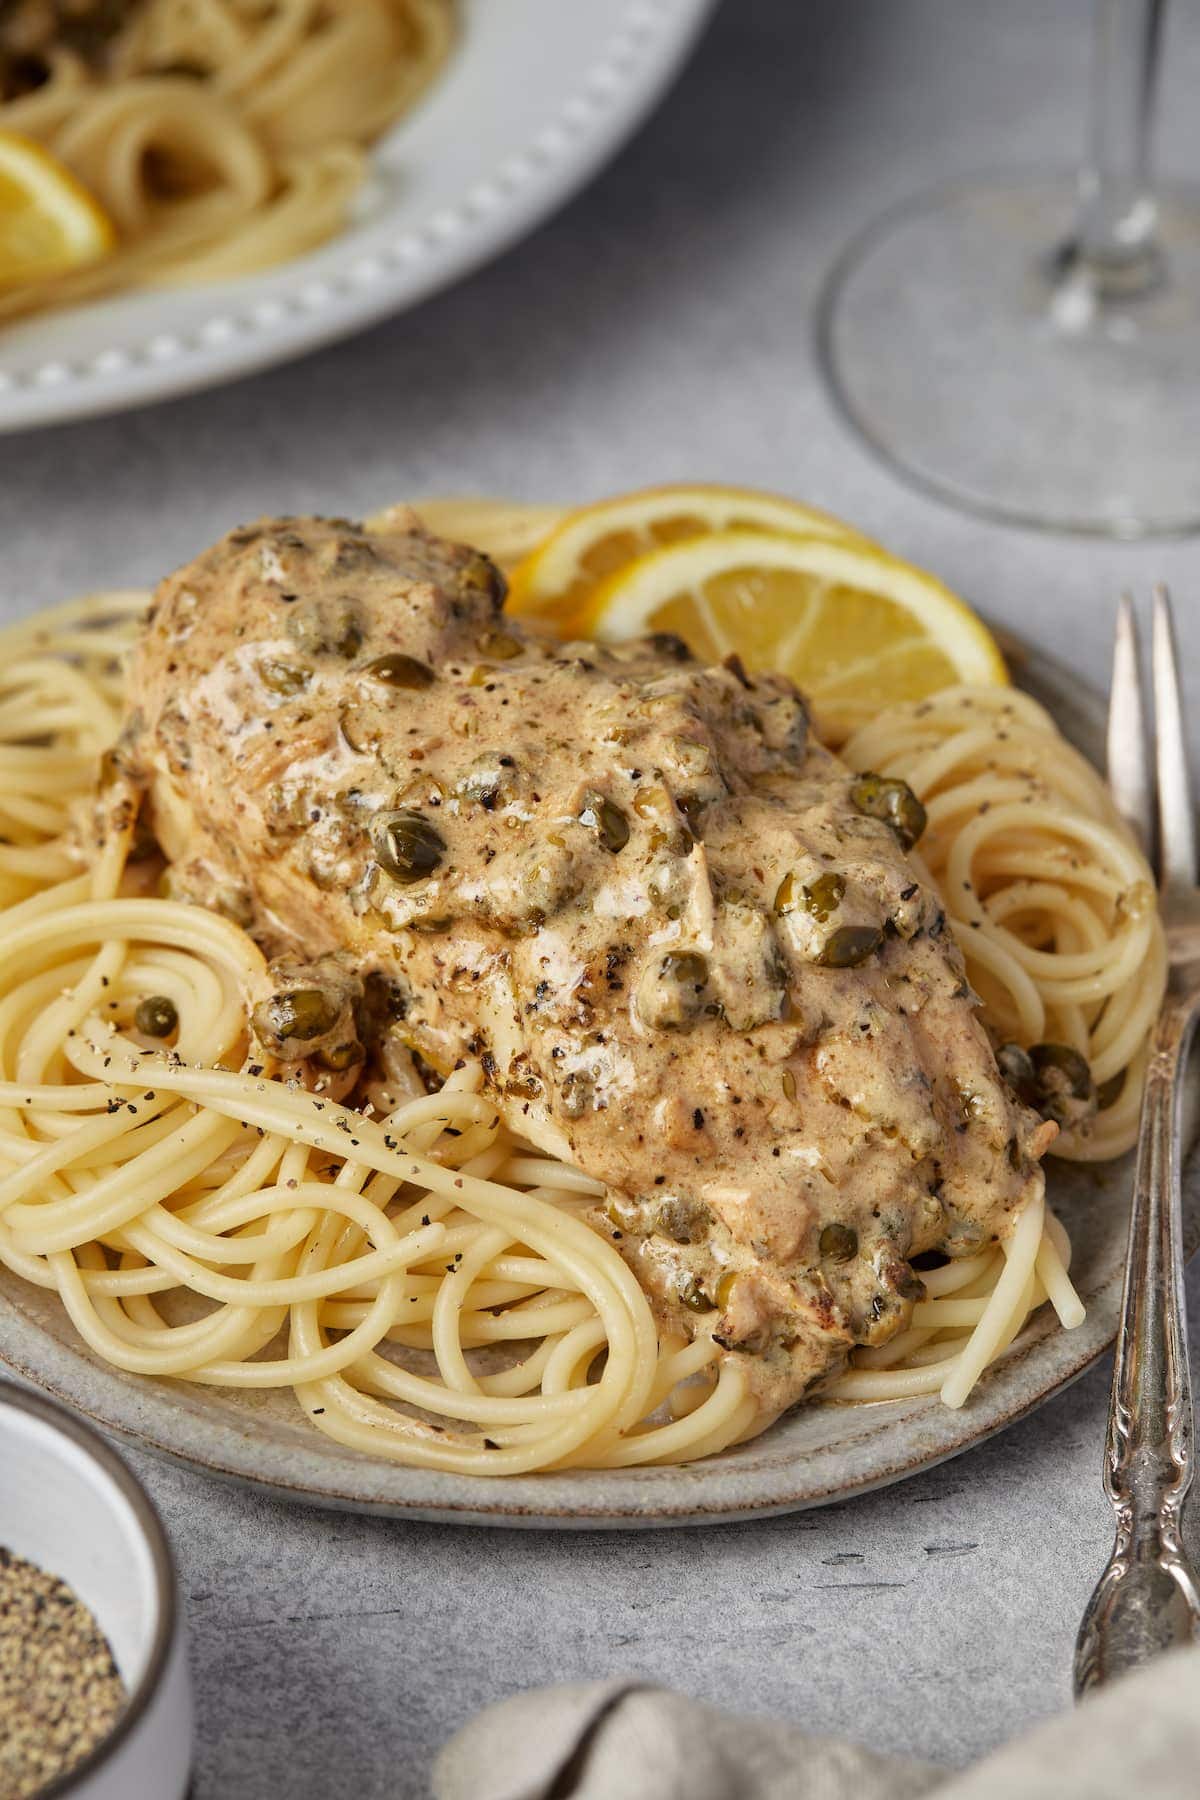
619, 1740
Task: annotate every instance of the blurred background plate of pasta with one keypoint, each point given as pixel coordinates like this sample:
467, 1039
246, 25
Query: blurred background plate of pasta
270, 179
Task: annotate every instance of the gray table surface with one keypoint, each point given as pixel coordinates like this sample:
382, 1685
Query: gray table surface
660, 327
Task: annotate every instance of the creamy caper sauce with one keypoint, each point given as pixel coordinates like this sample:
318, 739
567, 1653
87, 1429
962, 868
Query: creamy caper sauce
686, 943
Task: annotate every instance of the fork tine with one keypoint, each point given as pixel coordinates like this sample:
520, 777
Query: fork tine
1176, 818
1128, 759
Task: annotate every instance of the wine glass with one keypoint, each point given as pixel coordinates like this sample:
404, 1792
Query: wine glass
1024, 367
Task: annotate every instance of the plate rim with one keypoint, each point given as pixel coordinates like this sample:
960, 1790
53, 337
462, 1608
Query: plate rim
500, 1514
609, 98
638, 1498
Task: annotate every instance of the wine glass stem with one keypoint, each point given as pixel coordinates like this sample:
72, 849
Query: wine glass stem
1117, 219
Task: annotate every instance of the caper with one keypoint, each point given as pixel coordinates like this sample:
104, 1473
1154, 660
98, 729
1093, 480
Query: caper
384, 1000
838, 1242
1016, 1066
683, 1221
963, 1237
787, 895
297, 1013
893, 801
849, 946
692, 807
1065, 1088
1051, 1060
606, 820
481, 576
500, 644
305, 628
624, 1213
671, 991
685, 967
400, 671
867, 793
155, 1016
578, 1094
360, 729
348, 638
693, 1296
821, 897
283, 677
406, 844
316, 630
909, 818
908, 1283
341, 1056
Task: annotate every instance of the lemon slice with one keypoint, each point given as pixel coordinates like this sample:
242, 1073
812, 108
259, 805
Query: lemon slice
505, 530
856, 629
558, 579
49, 224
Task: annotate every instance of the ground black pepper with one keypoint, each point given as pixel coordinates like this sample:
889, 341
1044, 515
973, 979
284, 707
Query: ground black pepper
60, 1693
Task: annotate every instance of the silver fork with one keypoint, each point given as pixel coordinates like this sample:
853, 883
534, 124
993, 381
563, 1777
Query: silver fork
1148, 1598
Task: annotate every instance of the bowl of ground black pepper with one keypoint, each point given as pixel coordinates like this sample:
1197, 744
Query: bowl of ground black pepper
94, 1695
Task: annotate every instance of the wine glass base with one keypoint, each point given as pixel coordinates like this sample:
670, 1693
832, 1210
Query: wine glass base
974, 353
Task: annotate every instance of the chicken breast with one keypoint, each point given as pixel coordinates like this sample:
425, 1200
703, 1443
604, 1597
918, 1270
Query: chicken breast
686, 943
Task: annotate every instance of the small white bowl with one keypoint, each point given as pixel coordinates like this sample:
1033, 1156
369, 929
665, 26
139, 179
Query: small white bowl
69, 1504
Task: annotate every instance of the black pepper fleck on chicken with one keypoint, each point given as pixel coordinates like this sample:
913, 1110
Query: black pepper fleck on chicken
686, 944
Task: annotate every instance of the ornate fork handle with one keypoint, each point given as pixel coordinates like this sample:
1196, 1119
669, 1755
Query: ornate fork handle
1148, 1598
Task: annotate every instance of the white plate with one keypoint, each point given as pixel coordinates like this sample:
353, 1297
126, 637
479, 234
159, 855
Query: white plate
538, 95
816, 1454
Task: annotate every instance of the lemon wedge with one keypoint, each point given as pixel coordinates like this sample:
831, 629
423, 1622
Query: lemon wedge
558, 579
49, 223
854, 628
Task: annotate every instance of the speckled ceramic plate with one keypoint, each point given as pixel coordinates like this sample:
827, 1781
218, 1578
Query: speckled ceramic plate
818, 1453
538, 96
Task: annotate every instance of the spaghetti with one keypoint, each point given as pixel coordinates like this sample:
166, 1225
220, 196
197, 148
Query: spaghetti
222, 136
1052, 902
430, 1288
